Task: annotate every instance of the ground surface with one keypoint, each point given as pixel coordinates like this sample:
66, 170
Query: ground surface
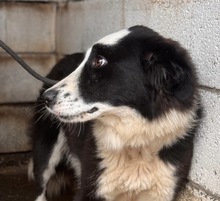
14, 183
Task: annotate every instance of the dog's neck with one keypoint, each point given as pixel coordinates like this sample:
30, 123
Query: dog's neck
126, 128
128, 147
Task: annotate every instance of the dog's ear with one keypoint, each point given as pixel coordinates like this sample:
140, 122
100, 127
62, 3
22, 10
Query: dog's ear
168, 71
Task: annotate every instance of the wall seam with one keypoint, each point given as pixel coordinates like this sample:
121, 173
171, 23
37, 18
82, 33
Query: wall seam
206, 191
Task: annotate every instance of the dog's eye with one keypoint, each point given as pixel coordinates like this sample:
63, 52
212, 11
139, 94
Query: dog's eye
99, 62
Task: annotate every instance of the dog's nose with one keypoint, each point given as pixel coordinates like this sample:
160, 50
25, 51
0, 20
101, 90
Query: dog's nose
49, 97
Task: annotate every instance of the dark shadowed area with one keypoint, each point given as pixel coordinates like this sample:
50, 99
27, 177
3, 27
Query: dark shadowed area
14, 183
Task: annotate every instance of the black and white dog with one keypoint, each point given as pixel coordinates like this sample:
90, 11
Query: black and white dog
127, 117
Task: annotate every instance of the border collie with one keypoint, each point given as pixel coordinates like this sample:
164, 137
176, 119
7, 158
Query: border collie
122, 123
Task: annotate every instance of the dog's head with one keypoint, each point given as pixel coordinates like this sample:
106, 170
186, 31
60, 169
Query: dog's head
134, 68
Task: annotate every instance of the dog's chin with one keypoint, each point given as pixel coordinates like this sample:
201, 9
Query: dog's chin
74, 118
82, 117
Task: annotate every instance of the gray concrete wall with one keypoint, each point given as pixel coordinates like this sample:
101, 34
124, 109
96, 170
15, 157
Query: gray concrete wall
29, 28
40, 32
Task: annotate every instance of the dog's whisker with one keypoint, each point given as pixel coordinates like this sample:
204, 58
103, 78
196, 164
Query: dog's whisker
59, 123
41, 110
40, 117
79, 130
83, 126
71, 127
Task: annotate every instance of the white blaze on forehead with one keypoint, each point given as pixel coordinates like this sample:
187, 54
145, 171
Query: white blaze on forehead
77, 72
74, 76
113, 39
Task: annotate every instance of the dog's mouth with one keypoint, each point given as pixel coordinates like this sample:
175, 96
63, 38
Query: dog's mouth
78, 116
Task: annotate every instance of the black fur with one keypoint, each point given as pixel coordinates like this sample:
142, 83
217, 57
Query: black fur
45, 130
145, 72
163, 73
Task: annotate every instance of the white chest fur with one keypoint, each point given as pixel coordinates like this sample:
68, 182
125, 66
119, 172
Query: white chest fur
135, 175
128, 146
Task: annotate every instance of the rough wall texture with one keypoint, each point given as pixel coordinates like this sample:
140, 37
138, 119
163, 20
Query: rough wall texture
194, 23
28, 28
